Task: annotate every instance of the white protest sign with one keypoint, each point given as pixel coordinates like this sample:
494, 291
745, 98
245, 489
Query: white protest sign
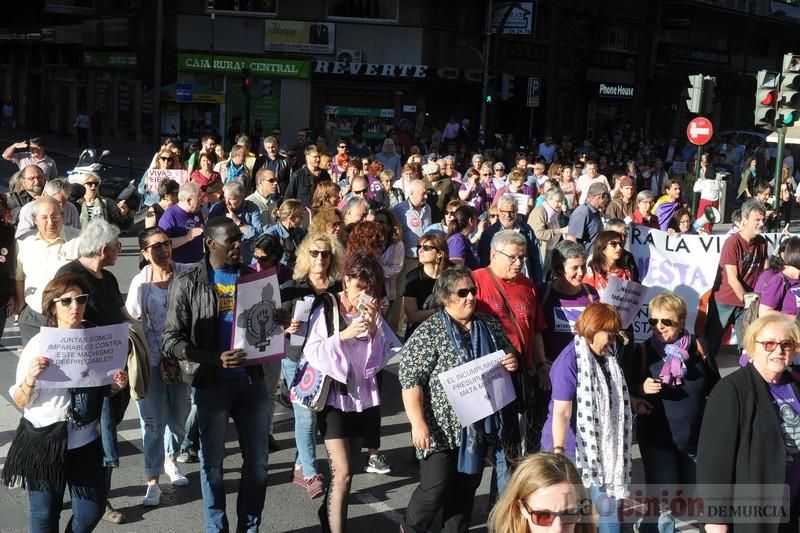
522, 202
254, 327
82, 357
155, 176
479, 388
684, 264
302, 312
626, 296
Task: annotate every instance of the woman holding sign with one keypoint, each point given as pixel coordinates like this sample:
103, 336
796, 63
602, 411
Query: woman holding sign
452, 456
590, 415
58, 439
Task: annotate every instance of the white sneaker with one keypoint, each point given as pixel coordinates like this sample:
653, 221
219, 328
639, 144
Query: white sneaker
153, 496
175, 475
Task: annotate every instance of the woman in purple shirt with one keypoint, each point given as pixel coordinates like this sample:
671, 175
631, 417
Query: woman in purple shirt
459, 247
351, 356
781, 293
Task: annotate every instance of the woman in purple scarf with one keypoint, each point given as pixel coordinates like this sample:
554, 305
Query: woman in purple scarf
669, 371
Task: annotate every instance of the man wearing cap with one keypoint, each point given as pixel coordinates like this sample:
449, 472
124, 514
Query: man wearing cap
586, 221
32, 154
624, 202
441, 189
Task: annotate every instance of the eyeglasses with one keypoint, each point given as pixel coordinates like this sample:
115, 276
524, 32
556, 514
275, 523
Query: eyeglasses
666, 321
546, 517
508, 213
513, 258
165, 158
91, 184
362, 191
156, 246
66, 301
770, 346
317, 253
427, 248
615, 244
462, 293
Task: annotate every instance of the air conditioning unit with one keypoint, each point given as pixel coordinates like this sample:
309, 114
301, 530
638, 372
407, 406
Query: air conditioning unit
350, 55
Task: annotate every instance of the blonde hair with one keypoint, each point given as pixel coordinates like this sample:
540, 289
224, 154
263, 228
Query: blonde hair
766, 321
538, 471
288, 208
303, 265
324, 218
670, 302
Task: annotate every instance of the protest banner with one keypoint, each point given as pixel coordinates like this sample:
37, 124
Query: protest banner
254, 328
302, 312
522, 202
684, 264
626, 296
155, 176
478, 388
82, 357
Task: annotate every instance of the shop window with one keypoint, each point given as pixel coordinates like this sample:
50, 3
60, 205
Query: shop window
264, 7
364, 9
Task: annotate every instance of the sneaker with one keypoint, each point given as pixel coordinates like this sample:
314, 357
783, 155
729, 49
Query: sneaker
113, 516
175, 475
189, 455
298, 479
377, 465
153, 495
315, 486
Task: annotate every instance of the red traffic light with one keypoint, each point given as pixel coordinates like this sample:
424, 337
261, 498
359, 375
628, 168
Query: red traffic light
247, 81
770, 98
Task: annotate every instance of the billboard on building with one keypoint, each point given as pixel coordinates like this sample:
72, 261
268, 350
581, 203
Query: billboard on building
299, 37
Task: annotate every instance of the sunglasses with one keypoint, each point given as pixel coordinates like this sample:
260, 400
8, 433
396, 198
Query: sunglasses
156, 246
666, 321
273, 180
343, 146
165, 158
91, 184
787, 345
317, 253
66, 301
615, 244
462, 293
262, 258
362, 191
546, 517
427, 248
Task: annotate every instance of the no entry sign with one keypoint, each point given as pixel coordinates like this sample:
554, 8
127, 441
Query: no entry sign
699, 131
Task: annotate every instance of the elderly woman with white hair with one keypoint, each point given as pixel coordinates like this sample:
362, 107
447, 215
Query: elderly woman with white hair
184, 224
544, 220
93, 206
244, 213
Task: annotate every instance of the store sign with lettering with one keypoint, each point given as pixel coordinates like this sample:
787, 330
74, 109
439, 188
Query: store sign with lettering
281, 68
386, 70
615, 90
109, 59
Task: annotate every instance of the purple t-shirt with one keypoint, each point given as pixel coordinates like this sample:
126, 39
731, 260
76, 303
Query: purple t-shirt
763, 280
786, 404
459, 247
564, 377
560, 312
782, 294
177, 223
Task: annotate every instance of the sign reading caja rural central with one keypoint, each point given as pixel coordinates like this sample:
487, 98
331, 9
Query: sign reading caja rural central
259, 66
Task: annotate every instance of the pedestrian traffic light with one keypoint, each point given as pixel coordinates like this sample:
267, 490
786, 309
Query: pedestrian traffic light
709, 87
246, 81
789, 101
767, 95
489, 98
507, 87
695, 99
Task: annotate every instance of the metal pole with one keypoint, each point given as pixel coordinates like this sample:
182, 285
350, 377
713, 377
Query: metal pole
483, 129
696, 195
156, 139
776, 188
530, 125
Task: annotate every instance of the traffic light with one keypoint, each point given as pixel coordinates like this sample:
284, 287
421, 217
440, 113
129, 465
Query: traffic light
246, 81
489, 98
767, 95
507, 87
789, 100
709, 86
695, 100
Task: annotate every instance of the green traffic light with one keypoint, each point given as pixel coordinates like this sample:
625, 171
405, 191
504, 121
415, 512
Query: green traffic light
790, 118
488, 98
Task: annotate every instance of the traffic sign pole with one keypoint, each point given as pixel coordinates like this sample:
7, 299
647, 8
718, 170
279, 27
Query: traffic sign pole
699, 132
776, 189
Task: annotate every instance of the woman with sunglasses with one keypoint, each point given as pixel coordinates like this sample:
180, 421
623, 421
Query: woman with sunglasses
544, 493
418, 294
669, 372
163, 412
749, 432
451, 456
606, 260
163, 160
351, 355
58, 440
447, 217
92, 206
589, 416
267, 253
318, 271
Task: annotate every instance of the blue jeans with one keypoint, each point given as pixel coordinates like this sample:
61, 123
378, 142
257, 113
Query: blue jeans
191, 437
305, 427
663, 466
162, 415
85, 475
499, 475
607, 509
244, 400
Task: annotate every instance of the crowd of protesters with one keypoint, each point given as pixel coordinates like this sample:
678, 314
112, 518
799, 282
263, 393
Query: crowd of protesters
439, 256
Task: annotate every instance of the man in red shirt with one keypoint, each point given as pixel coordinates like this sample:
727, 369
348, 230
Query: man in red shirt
743, 259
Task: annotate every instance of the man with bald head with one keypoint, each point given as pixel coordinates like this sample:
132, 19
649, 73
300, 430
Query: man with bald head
30, 186
59, 189
39, 256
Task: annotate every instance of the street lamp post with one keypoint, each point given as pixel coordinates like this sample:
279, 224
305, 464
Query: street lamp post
486, 44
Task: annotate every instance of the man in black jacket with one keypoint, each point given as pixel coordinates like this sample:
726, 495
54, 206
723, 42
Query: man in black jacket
305, 179
199, 326
275, 162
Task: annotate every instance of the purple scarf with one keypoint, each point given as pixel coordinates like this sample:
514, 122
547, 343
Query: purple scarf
664, 213
674, 356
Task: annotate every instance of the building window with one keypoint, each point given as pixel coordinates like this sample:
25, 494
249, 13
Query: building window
364, 9
263, 7
619, 38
